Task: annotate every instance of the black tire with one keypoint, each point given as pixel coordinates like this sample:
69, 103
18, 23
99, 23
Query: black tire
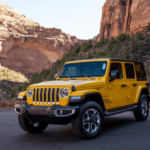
80, 129
30, 127
141, 113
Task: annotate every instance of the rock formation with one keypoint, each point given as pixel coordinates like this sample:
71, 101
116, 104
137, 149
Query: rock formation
124, 16
26, 46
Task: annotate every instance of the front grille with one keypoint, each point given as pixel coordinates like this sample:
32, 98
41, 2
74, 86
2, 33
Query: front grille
45, 96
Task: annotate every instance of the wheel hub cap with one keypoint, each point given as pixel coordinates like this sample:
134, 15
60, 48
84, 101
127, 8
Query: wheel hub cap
144, 107
91, 120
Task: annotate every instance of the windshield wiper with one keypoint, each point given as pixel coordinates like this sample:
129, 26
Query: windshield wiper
81, 76
66, 77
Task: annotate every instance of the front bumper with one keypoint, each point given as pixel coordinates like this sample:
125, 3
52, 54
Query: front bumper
51, 114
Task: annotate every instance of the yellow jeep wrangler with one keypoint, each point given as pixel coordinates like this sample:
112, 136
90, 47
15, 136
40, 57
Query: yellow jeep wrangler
84, 92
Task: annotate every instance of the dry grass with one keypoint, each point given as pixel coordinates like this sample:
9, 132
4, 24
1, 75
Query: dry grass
11, 75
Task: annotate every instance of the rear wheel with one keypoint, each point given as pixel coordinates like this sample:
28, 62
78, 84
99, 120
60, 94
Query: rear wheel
141, 113
31, 127
90, 120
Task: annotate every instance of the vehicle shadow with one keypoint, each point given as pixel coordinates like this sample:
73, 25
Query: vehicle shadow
64, 134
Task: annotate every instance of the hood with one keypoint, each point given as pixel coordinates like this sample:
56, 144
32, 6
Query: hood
76, 83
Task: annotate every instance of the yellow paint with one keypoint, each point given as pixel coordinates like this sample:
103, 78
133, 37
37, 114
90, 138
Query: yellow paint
22, 93
114, 96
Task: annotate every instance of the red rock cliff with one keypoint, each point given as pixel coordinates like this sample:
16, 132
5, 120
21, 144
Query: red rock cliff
124, 16
27, 46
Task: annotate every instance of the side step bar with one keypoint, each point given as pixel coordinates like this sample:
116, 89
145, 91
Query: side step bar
108, 113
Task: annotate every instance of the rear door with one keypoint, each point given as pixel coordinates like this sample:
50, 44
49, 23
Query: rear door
131, 82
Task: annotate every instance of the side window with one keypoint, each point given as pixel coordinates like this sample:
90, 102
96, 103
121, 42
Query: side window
117, 66
129, 71
140, 72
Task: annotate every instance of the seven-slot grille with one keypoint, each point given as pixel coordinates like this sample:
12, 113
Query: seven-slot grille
45, 96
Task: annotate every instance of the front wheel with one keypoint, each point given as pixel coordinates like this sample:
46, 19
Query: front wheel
31, 127
89, 122
141, 113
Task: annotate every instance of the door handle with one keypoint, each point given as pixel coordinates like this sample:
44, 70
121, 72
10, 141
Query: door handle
134, 84
123, 85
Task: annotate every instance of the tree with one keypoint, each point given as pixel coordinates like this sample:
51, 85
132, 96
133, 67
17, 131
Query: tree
139, 35
112, 40
86, 45
117, 47
89, 55
94, 52
148, 27
126, 53
128, 37
121, 37
135, 56
100, 43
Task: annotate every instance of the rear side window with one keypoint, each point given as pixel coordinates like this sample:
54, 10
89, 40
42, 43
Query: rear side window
117, 66
129, 71
140, 72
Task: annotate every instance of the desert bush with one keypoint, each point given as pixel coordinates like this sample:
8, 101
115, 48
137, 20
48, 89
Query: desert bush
148, 27
12, 94
112, 40
100, 43
94, 52
139, 35
86, 45
146, 71
135, 56
126, 53
133, 49
121, 37
128, 37
89, 55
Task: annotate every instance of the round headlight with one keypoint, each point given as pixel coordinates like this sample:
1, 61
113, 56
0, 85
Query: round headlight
63, 93
29, 93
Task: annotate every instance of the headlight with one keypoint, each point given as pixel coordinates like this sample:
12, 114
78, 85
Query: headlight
29, 93
63, 93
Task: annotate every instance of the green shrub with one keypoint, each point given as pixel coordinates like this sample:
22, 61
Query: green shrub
133, 49
101, 54
89, 55
146, 71
121, 37
126, 53
100, 43
135, 56
139, 35
94, 52
117, 47
128, 37
148, 27
112, 40
78, 49
86, 45
12, 94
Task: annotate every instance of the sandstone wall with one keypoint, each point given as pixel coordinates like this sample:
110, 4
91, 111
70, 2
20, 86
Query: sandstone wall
124, 16
27, 46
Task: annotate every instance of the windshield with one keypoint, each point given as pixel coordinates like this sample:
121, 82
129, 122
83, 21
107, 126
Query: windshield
84, 69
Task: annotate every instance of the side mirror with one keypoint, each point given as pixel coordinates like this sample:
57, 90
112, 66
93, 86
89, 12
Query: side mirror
55, 76
113, 75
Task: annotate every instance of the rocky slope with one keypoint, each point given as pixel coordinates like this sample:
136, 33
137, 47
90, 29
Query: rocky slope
124, 16
26, 46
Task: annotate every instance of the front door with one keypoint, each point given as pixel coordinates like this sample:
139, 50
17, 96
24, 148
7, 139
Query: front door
117, 88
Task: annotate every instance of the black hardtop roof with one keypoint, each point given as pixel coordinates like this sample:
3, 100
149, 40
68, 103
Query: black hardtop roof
111, 59
114, 59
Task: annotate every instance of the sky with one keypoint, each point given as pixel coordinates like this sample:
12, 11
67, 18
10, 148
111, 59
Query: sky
80, 18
